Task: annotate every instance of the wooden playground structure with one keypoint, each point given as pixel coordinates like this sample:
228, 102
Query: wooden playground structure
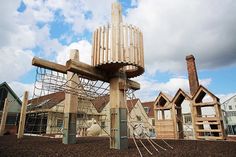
204, 126
117, 55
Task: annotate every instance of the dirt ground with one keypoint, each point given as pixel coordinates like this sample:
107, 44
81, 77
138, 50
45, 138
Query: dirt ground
99, 146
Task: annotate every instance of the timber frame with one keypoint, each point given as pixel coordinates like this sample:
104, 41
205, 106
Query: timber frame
216, 129
204, 126
117, 55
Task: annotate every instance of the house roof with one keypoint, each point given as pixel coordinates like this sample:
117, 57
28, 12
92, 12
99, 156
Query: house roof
131, 104
100, 102
150, 105
163, 100
4, 84
201, 95
47, 101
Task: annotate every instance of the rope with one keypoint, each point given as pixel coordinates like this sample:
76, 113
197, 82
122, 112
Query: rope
137, 147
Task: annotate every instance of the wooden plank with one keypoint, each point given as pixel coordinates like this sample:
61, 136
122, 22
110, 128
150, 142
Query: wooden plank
206, 119
102, 59
210, 137
131, 54
122, 43
107, 42
142, 50
207, 122
94, 73
94, 49
99, 46
136, 45
204, 104
208, 130
126, 44
49, 65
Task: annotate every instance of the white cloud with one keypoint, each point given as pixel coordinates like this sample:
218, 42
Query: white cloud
174, 29
150, 87
19, 88
74, 13
14, 63
84, 48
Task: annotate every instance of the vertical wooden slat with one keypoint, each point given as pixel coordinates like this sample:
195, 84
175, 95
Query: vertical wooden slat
138, 48
98, 45
117, 43
107, 42
103, 45
131, 44
95, 48
113, 43
142, 55
126, 44
121, 42
135, 46
134, 34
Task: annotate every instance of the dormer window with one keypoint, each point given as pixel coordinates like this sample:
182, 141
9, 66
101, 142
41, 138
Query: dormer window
146, 109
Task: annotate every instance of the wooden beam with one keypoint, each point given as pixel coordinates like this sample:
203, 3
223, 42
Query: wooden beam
86, 70
204, 104
49, 65
94, 73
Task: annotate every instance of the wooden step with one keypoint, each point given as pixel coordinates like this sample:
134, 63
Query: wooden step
207, 122
212, 130
210, 137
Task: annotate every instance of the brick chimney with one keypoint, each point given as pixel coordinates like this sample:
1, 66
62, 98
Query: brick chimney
192, 74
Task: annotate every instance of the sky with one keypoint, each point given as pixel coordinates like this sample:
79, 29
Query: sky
172, 30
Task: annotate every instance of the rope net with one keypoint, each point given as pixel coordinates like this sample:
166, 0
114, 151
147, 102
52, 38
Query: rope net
45, 109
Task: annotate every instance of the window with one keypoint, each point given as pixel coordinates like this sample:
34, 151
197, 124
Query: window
11, 120
230, 107
103, 125
139, 118
187, 119
167, 114
159, 115
153, 122
146, 109
231, 113
59, 122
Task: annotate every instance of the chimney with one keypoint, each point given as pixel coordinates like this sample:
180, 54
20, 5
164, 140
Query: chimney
192, 74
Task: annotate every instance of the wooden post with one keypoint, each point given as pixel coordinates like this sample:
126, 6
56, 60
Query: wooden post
22, 116
71, 104
193, 115
119, 139
4, 117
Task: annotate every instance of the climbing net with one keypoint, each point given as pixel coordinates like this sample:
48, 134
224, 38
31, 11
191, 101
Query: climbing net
48, 81
45, 109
